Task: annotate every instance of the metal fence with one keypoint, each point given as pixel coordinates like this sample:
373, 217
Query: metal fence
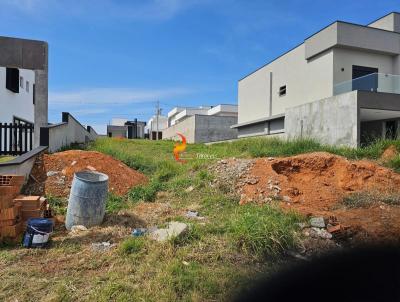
15, 138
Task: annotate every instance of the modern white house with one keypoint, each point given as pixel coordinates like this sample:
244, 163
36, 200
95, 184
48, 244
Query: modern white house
202, 124
155, 126
123, 128
341, 86
16, 95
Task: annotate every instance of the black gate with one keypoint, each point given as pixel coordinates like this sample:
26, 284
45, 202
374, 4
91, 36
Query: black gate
15, 138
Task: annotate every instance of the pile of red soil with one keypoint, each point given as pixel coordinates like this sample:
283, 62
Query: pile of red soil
316, 183
52, 174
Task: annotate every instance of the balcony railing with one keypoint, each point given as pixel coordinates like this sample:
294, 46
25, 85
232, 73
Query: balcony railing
376, 82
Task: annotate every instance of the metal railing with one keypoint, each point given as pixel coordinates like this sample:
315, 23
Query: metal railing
15, 138
375, 82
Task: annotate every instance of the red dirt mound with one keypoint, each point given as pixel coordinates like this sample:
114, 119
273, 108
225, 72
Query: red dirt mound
53, 173
316, 183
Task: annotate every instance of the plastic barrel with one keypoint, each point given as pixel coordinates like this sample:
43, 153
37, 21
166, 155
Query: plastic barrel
37, 232
87, 200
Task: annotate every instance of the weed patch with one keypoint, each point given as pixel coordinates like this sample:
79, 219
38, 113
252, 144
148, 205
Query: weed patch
263, 230
132, 245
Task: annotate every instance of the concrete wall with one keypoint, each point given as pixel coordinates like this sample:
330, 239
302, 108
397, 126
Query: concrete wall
347, 35
17, 104
305, 81
203, 128
70, 131
331, 121
214, 128
23, 164
389, 22
186, 127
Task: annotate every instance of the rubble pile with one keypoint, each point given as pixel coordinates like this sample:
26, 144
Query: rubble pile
232, 174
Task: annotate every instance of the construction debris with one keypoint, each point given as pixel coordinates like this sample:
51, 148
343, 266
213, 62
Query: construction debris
175, 229
317, 222
102, 246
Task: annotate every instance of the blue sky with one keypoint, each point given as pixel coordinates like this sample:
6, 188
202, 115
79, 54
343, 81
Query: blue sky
112, 58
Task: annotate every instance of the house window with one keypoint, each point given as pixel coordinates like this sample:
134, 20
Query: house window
21, 82
27, 86
282, 90
12, 79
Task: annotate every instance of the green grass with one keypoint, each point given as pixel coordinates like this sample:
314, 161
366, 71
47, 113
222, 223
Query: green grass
132, 245
57, 204
115, 203
4, 159
264, 230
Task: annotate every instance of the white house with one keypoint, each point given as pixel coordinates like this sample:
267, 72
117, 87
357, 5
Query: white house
156, 125
341, 86
17, 95
202, 124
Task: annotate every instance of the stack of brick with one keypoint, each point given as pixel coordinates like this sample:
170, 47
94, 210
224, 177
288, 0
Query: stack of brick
10, 213
31, 206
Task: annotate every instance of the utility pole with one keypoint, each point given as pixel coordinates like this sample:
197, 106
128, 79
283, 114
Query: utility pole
157, 113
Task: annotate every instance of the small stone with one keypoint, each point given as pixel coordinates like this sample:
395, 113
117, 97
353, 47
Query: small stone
51, 173
321, 233
252, 181
189, 189
270, 158
91, 168
317, 222
185, 263
78, 229
73, 163
276, 188
175, 229
286, 199
102, 246
301, 225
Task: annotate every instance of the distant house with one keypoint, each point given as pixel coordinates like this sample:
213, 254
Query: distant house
155, 126
126, 129
202, 124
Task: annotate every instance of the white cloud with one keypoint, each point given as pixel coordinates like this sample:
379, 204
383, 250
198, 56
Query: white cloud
101, 96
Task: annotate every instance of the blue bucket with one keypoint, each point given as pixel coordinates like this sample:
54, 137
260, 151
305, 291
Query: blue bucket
37, 232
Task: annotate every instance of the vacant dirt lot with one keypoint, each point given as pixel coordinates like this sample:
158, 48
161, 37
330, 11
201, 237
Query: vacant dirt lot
315, 184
